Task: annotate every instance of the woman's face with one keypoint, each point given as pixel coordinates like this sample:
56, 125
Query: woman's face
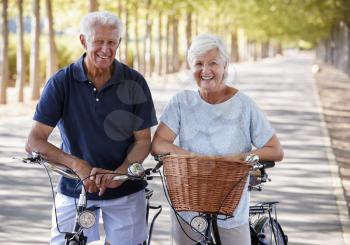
101, 49
208, 70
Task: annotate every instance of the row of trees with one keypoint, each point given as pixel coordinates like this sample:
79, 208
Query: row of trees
335, 50
158, 32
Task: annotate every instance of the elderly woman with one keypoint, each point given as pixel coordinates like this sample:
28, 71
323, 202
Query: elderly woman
216, 119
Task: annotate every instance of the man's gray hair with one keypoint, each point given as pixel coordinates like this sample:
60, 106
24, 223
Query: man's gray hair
103, 18
202, 44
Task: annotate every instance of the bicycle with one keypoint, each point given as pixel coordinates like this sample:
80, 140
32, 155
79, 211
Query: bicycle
85, 217
205, 223
263, 223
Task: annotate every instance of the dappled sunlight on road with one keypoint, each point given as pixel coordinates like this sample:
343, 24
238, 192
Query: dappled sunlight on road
282, 87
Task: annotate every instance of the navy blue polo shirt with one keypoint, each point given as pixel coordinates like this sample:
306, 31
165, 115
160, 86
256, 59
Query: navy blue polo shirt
97, 126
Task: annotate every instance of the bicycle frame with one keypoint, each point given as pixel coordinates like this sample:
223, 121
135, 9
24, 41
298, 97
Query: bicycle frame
84, 218
77, 236
213, 238
256, 224
211, 234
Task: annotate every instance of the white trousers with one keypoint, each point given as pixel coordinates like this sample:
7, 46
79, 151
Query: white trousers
124, 219
234, 236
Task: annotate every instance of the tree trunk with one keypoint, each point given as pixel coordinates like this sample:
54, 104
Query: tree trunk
189, 29
348, 48
145, 41
146, 54
255, 50
120, 7
265, 49
34, 55
234, 47
93, 5
189, 32
20, 54
151, 64
126, 42
160, 56
279, 49
51, 66
175, 45
168, 40
137, 61
196, 28
4, 54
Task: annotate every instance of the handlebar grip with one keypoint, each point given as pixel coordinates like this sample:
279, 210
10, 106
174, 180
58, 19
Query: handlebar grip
158, 166
158, 158
268, 164
121, 177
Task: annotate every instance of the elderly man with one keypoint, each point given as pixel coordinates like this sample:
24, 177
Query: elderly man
104, 111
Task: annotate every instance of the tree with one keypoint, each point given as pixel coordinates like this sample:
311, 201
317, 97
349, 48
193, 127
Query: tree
93, 5
161, 8
168, 67
119, 10
160, 50
126, 36
4, 54
51, 66
34, 54
20, 53
137, 59
175, 46
147, 40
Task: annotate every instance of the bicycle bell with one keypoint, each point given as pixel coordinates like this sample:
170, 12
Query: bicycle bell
252, 158
136, 169
86, 219
199, 224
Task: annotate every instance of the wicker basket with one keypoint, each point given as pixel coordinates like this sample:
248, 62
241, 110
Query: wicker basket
204, 184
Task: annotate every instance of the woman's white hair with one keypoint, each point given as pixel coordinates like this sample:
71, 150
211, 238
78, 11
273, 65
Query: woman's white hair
202, 44
89, 21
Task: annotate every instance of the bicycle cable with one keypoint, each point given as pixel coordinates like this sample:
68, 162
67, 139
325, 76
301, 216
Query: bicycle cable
54, 199
228, 193
177, 215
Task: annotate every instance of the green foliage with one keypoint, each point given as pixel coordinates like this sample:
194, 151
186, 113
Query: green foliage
69, 49
294, 22
283, 20
12, 54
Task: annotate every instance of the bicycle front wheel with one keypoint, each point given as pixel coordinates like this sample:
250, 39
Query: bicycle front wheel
270, 232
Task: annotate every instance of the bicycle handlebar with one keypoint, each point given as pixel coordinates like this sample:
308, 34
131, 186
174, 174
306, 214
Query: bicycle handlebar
256, 165
263, 165
36, 158
136, 171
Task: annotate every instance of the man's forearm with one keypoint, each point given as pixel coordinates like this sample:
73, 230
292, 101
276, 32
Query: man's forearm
50, 152
138, 153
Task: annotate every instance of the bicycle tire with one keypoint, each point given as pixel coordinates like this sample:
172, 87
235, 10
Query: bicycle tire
254, 240
265, 233
74, 243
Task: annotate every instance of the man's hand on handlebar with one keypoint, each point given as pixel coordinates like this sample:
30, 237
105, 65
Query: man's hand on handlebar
103, 179
83, 170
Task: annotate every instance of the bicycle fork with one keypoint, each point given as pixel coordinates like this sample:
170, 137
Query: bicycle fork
77, 236
212, 236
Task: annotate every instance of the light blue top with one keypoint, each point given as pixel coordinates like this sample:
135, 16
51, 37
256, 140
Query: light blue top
231, 127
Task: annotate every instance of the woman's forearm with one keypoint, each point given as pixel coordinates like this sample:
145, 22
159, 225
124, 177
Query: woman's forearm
161, 147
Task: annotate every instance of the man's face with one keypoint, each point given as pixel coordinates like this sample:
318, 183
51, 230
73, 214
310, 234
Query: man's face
101, 47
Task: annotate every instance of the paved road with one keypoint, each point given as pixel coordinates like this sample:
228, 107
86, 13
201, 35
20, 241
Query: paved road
306, 183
